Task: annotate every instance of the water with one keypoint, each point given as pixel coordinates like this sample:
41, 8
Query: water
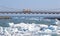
16, 20
36, 20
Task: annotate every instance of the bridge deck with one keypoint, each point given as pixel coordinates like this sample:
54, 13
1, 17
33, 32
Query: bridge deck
32, 12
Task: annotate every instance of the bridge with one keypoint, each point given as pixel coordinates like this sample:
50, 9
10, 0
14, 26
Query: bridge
29, 13
46, 15
35, 12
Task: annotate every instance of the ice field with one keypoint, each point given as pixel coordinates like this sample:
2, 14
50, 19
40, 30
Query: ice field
29, 27
23, 29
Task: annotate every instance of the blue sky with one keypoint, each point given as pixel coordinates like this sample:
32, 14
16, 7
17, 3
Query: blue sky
32, 4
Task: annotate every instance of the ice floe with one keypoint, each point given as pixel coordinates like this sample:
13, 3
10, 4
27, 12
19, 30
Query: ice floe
22, 29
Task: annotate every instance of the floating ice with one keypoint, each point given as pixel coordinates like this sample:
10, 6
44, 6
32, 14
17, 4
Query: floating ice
42, 25
31, 27
57, 22
48, 31
22, 29
11, 24
46, 35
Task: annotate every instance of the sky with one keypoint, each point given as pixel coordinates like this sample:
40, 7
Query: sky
30, 4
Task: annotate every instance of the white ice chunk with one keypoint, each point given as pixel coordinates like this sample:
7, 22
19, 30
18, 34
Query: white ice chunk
55, 27
57, 21
1, 29
47, 35
42, 25
11, 24
31, 27
48, 31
